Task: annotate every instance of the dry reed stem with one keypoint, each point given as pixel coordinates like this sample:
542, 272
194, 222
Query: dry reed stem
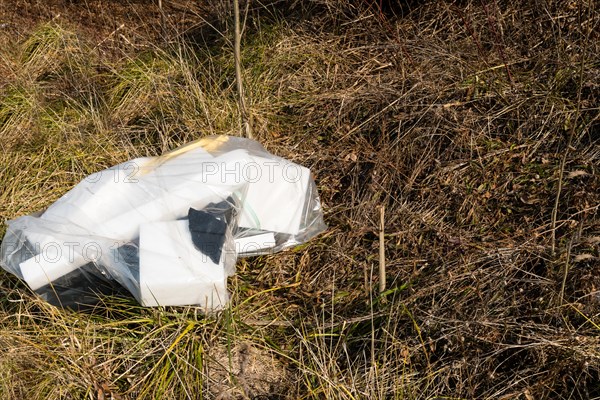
382, 250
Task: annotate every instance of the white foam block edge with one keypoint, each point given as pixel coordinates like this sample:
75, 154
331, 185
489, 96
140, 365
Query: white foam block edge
251, 244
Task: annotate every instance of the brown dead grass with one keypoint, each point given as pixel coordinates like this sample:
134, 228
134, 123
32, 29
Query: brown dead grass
455, 116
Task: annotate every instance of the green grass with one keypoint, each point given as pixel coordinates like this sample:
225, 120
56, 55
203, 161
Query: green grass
416, 111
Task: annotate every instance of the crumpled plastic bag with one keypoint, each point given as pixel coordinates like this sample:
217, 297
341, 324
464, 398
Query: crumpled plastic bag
168, 229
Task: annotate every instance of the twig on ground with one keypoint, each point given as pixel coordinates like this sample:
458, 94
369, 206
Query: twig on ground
382, 249
244, 118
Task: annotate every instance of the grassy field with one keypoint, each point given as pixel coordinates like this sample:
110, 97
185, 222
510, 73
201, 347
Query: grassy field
474, 123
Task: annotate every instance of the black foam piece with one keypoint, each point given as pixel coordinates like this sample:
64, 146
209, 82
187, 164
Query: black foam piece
223, 208
81, 289
208, 232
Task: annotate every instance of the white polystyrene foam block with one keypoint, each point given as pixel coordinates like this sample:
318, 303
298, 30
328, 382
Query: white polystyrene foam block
173, 272
168, 206
99, 196
52, 261
254, 243
276, 195
50, 265
113, 203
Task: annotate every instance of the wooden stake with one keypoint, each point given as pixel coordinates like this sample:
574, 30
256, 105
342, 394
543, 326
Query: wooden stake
246, 126
381, 249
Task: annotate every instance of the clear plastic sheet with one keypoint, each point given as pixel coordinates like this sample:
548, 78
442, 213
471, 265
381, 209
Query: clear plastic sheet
167, 229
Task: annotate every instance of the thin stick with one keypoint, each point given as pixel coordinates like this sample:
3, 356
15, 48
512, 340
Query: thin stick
238, 72
381, 250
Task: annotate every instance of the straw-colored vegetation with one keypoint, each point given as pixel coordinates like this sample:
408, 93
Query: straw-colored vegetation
474, 123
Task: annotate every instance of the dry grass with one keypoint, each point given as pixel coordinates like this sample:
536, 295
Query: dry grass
455, 117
